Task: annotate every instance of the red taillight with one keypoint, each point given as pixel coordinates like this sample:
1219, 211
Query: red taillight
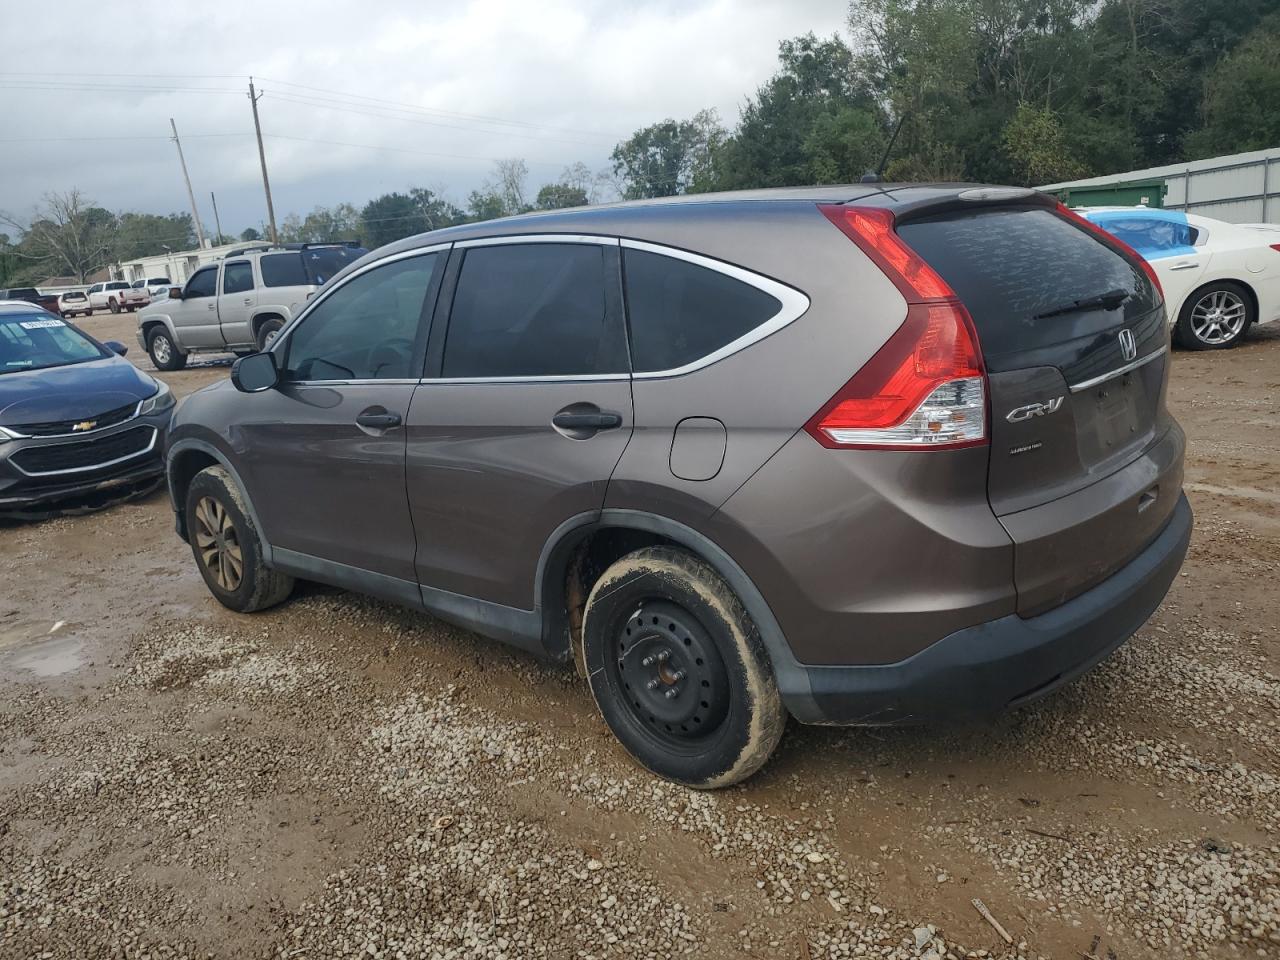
1276, 247
1115, 243
925, 388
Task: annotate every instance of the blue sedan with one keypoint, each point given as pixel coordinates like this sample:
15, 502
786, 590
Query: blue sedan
79, 424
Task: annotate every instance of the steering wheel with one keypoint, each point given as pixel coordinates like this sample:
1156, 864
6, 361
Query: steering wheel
397, 351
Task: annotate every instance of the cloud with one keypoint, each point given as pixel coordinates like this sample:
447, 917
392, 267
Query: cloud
553, 82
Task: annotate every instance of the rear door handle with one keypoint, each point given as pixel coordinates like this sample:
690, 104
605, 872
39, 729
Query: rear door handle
378, 419
248, 301
1183, 266
601, 420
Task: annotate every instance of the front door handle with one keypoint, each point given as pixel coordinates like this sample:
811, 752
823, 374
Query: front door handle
594, 420
378, 419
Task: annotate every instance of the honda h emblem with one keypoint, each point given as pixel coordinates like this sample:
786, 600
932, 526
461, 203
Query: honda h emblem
1128, 347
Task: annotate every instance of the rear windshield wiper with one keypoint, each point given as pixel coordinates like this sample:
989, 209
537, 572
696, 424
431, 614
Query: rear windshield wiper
1110, 300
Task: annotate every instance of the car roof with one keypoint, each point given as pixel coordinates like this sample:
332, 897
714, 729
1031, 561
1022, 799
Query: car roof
608, 217
26, 306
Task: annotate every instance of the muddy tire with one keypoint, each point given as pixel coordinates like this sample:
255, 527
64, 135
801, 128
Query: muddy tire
679, 671
228, 547
163, 351
114, 305
1215, 317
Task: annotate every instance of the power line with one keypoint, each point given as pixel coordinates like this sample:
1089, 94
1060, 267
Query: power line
189, 136
437, 111
389, 113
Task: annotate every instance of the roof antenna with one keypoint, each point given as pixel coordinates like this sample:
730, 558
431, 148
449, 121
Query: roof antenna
877, 176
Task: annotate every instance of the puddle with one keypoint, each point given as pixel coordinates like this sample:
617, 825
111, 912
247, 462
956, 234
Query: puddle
46, 648
52, 659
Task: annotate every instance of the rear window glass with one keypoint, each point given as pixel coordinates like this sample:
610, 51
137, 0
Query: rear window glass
1011, 266
322, 263
282, 270
680, 312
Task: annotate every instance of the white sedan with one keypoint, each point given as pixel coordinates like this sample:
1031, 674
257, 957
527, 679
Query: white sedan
1219, 278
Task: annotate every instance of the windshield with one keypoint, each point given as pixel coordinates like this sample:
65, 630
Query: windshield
32, 341
321, 263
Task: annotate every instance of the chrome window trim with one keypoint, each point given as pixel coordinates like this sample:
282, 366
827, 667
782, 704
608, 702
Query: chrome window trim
553, 378
1118, 371
794, 305
96, 466
15, 435
391, 382
539, 238
288, 328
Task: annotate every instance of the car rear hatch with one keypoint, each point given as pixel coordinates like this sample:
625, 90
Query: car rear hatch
1085, 463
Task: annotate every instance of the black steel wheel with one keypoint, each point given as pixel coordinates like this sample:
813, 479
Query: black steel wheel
678, 669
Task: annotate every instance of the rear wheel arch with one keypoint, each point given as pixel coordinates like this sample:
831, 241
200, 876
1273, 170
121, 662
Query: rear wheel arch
574, 561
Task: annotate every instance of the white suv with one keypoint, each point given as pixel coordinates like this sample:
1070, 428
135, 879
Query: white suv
240, 303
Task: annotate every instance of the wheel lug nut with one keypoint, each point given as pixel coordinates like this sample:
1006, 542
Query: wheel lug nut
672, 693
660, 657
677, 676
653, 684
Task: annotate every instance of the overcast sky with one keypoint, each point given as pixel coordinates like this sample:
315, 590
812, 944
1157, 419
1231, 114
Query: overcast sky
553, 81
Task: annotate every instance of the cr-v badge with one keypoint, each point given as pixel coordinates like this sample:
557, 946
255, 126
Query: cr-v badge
1019, 414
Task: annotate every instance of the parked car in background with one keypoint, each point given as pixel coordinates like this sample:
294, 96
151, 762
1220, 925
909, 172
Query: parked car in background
240, 303
865, 454
155, 286
46, 301
77, 419
117, 296
73, 303
1219, 278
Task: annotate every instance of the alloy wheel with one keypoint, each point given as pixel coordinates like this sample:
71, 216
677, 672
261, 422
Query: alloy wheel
669, 673
1218, 317
162, 349
218, 544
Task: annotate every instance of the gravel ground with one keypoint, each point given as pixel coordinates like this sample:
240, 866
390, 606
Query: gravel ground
339, 777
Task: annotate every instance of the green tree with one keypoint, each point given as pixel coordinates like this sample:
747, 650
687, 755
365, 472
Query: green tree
250, 234
148, 234
1038, 147
396, 215
1242, 97
502, 194
556, 196
68, 234
670, 157
815, 121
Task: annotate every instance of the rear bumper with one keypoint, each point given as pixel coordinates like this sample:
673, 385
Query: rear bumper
984, 669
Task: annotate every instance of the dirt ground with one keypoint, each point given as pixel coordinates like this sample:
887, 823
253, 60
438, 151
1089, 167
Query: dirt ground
340, 777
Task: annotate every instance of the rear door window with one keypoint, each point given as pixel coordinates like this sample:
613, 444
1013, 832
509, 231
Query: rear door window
680, 313
237, 277
283, 270
533, 310
1015, 268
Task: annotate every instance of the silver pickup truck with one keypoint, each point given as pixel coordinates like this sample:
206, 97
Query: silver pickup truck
240, 303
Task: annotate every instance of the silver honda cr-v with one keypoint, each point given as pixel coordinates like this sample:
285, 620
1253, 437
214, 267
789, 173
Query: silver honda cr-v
860, 455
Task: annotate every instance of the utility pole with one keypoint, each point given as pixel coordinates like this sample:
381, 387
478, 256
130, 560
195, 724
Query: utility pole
262, 156
195, 214
217, 223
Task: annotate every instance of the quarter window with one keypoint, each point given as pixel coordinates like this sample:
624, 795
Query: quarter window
680, 312
203, 283
237, 277
532, 310
283, 270
367, 328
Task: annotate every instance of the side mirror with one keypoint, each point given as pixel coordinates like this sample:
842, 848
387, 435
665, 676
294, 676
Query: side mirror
175, 293
116, 347
255, 373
